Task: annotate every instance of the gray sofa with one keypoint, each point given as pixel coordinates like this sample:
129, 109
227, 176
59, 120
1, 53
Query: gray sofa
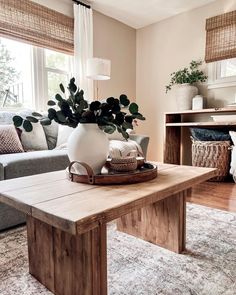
36, 162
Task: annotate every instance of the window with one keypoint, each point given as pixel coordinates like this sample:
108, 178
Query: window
222, 73
30, 75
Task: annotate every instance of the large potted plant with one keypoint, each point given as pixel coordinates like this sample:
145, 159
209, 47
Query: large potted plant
88, 142
186, 79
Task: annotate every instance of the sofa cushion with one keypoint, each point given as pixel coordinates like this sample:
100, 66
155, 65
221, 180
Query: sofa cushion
24, 164
36, 139
9, 140
51, 133
64, 133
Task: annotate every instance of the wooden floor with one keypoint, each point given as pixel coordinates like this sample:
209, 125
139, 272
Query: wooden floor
215, 195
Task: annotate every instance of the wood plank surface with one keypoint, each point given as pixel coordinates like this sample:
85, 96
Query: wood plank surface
27, 181
200, 124
161, 223
204, 111
65, 263
87, 206
43, 192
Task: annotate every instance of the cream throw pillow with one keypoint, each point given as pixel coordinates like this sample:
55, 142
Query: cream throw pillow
64, 133
34, 140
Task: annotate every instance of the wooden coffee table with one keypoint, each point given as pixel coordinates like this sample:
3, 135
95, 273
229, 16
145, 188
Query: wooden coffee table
66, 222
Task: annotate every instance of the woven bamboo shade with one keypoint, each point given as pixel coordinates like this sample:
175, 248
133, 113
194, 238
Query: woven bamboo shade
221, 37
36, 24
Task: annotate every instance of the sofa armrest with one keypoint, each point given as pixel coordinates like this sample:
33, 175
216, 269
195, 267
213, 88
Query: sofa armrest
30, 163
142, 140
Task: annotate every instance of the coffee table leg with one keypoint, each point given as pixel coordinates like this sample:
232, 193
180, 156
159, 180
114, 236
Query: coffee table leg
68, 264
162, 223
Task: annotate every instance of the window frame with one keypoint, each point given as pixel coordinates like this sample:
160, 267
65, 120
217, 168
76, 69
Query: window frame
39, 75
214, 77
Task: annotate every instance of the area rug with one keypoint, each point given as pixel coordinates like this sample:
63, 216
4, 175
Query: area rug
136, 267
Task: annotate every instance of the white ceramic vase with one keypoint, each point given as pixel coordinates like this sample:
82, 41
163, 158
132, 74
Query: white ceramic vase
88, 144
184, 95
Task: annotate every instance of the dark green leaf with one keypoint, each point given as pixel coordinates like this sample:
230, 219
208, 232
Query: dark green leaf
116, 101
52, 113
95, 105
125, 134
79, 96
138, 116
46, 122
61, 117
62, 88
111, 100
32, 119
127, 125
58, 97
17, 120
129, 119
72, 87
133, 108
27, 126
116, 108
36, 114
109, 129
82, 106
119, 118
124, 100
88, 117
51, 103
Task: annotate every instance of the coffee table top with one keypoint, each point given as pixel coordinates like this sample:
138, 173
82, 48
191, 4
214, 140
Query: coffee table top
76, 207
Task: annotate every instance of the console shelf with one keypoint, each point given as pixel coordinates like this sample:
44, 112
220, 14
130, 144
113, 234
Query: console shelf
175, 122
201, 124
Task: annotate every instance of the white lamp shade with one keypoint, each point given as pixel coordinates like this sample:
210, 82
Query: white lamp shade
98, 69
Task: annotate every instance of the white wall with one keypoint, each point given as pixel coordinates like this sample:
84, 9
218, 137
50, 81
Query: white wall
112, 40
163, 48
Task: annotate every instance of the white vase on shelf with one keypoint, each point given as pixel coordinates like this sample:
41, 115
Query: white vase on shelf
90, 145
184, 95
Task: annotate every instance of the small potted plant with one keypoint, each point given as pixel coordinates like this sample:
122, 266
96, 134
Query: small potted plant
186, 78
88, 142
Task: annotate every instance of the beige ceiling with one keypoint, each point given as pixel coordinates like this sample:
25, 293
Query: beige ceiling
140, 13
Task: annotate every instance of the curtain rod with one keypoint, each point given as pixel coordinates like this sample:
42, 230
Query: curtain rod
81, 3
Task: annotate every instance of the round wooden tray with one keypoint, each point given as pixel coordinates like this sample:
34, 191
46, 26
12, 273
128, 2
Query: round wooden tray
111, 177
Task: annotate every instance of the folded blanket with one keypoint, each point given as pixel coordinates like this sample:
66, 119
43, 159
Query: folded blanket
121, 149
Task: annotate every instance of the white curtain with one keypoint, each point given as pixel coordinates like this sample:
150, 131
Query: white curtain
83, 47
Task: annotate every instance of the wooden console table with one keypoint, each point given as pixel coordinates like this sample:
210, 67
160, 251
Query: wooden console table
66, 222
175, 123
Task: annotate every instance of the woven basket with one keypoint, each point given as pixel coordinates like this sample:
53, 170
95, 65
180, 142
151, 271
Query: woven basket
124, 164
212, 154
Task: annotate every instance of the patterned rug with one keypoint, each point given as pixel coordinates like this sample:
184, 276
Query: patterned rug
136, 267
